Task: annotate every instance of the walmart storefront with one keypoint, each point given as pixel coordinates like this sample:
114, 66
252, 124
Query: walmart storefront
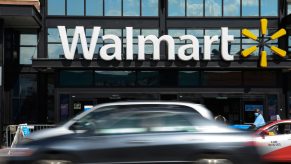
81, 53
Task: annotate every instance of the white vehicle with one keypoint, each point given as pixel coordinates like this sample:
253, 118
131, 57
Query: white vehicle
275, 141
70, 126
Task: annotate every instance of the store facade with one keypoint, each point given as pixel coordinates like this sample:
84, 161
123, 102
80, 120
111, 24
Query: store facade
177, 50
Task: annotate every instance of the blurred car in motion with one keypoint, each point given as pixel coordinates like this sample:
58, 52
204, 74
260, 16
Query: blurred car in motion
275, 141
148, 133
65, 128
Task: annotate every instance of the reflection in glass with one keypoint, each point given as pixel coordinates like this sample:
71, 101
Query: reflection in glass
75, 7
53, 35
131, 8
194, 7
148, 78
176, 32
28, 48
26, 55
176, 7
269, 7
250, 8
231, 7
112, 8
56, 7
147, 32
28, 39
195, 32
114, 78
212, 32
116, 32
213, 7
234, 49
55, 51
94, 7
150, 7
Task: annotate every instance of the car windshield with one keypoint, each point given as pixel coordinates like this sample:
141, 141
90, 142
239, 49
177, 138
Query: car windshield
140, 119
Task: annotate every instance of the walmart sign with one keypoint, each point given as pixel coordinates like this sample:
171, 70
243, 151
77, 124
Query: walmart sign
225, 38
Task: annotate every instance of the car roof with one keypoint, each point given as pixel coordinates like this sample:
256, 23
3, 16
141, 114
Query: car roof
273, 123
201, 109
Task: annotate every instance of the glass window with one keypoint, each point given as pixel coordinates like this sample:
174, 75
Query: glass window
55, 51
188, 78
53, 35
126, 119
56, 7
147, 32
27, 54
260, 79
289, 8
114, 78
194, 7
150, 7
176, 8
269, 7
213, 7
221, 78
77, 78
94, 7
148, 78
131, 8
28, 48
112, 8
231, 7
75, 7
28, 39
24, 97
250, 8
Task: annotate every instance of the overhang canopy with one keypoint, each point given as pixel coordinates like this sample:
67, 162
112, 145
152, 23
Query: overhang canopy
20, 16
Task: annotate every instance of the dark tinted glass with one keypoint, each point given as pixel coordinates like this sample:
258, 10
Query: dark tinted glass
260, 79
76, 78
148, 78
188, 78
114, 78
221, 78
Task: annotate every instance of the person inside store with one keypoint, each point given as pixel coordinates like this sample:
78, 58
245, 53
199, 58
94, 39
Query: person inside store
259, 121
220, 118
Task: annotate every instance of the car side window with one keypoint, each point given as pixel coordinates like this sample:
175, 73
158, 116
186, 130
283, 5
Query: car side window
147, 122
287, 129
280, 129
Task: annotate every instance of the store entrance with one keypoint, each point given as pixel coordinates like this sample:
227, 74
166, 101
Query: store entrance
238, 108
227, 107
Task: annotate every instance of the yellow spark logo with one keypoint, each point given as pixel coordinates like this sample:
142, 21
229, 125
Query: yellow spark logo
262, 42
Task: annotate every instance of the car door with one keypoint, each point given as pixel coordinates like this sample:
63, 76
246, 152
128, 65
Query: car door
276, 145
142, 136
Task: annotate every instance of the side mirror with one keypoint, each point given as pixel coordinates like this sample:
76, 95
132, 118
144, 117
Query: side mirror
76, 126
264, 133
